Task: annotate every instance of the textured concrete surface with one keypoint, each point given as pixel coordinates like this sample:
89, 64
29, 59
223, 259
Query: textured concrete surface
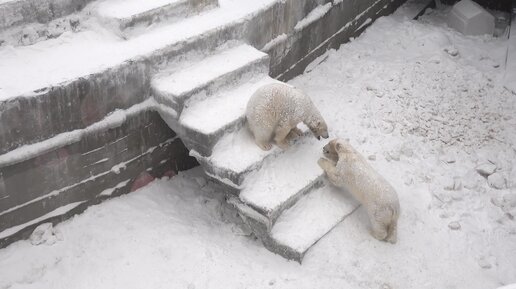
140, 150
41, 11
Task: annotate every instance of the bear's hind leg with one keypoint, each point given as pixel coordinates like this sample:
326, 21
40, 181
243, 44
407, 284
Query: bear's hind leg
263, 139
379, 229
280, 135
392, 232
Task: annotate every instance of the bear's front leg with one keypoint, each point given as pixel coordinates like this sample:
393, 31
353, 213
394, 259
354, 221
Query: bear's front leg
329, 168
293, 134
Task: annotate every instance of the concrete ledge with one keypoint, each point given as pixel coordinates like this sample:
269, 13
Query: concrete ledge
19, 12
26, 120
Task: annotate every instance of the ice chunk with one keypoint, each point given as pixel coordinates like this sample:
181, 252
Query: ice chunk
470, 18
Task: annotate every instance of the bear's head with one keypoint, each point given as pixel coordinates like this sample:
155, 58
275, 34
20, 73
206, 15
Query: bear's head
338, 149
319, 128
330, 152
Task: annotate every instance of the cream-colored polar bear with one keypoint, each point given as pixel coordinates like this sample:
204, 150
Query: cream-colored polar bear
346, 168
274, 111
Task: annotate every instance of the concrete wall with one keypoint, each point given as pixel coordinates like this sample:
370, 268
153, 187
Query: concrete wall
142, 146
40, 11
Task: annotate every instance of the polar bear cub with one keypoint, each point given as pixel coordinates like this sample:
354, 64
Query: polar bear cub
274, 111
346, 168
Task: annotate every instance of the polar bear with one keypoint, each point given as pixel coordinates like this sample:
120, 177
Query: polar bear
274, 110
346, 168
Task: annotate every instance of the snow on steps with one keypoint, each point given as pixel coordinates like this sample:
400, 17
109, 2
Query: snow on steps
234, 156
310, 219
127, 13
173, 89
302, 225
281, 181
204, 123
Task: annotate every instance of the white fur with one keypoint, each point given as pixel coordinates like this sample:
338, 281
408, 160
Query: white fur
274, 110
351, 171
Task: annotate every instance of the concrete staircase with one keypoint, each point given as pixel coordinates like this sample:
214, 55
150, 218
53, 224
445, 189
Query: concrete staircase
125, 14
93, 118
280, 194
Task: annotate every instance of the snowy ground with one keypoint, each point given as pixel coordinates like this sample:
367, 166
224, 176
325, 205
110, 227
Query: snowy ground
426, 102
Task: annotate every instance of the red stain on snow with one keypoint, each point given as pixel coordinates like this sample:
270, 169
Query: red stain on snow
169, 174
141, 181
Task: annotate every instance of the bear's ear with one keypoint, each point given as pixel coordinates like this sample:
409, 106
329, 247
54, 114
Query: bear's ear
338, 147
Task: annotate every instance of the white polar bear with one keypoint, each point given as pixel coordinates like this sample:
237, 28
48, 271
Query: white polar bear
347, 168
274, 110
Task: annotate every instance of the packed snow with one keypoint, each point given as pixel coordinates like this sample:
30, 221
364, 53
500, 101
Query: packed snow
428, 108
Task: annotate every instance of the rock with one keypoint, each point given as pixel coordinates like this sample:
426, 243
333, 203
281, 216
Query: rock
510, 199
448, 158
497, 181
471, 180
29, 36
452, 51
454, 226
486, 169
372, 157
454, 184
45, 234
484, 264
393, 155
407, 151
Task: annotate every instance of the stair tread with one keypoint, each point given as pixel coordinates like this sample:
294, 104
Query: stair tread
282, 178
237, 152
219, 111
312, 217
122, 9
206, 70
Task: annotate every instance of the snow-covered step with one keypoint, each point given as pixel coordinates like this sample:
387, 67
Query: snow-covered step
310, 219
281, 181
204, 123
234, 156
173, 89
127, 13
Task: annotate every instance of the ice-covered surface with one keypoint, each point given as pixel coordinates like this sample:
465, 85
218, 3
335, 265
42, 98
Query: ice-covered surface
76, 55
222, 109
312, 217
128, 8
207, 70
376, 90
281, 178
